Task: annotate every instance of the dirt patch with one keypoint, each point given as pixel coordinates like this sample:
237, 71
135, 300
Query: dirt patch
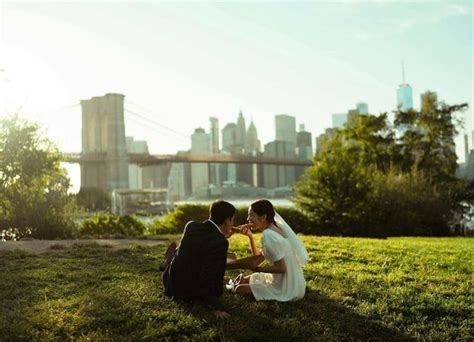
41, 246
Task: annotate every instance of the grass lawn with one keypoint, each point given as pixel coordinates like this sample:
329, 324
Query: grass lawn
394, 289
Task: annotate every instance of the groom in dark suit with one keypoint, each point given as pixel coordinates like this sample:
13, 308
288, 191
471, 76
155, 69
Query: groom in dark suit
195, 270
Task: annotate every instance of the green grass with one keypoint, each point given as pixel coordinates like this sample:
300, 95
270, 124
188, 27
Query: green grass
394, 289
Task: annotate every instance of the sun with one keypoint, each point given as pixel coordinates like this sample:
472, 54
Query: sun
29, 84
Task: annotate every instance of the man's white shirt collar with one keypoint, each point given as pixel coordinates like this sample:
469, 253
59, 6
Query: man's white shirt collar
215, 225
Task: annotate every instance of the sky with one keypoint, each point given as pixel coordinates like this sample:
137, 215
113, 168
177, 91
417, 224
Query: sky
178, 63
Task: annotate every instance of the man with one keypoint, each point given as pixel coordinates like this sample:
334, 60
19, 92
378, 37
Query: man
196, 270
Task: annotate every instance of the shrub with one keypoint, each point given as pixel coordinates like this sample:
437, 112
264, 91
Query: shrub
108, 225
407, 204
175, 221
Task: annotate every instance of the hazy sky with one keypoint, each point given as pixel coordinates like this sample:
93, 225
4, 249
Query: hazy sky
180, 62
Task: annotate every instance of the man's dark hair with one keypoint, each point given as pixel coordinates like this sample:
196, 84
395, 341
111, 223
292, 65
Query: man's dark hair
221, 210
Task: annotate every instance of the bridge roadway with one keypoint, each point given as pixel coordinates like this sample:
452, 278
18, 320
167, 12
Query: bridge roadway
148, 159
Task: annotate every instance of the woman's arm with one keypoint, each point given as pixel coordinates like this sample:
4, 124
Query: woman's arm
253, 246
245, 230
277, 267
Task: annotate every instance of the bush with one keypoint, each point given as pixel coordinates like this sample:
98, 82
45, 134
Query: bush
111, 226
175, 221
407, 204
34, 199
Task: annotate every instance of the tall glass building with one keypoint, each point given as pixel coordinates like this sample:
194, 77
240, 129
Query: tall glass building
404, 97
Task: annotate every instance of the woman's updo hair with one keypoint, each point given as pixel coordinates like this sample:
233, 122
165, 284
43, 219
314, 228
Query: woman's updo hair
264, 207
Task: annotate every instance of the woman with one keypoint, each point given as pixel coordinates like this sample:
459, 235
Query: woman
282, 279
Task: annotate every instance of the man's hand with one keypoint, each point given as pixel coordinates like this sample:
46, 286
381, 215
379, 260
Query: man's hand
245, 230
221, 314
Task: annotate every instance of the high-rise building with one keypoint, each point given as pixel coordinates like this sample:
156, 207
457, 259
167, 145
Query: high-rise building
227, 172
240, 133
229, 137
135, 174
214, 134
404, 94
428, 100
339, 120
363, 108
466, 148
304, 144
322, 139
304, 148
285, 127
252, 144
248, 173
179, 180
200, 144
155, 176
275, 176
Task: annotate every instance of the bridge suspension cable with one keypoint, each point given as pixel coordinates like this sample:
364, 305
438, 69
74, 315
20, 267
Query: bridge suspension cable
150, 125
148, 119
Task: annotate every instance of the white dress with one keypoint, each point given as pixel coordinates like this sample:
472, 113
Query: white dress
282, 287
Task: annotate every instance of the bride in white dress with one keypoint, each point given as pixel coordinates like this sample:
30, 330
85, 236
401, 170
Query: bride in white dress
282, 279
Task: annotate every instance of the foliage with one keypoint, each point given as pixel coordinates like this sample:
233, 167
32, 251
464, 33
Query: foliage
93, 198
33, 186
369, 182
175, 221
357, 289
108, 225
428, 139
406, 204
333, 193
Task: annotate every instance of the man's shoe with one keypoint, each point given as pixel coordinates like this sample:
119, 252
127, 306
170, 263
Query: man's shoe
170, 252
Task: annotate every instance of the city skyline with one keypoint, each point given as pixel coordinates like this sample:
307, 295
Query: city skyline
179, 64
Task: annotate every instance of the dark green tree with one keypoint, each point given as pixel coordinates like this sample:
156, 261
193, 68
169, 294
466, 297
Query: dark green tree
334, 192
368, 181
428, 138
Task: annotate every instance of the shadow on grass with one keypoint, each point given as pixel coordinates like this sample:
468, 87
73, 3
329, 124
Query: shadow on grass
316, 317
97, 293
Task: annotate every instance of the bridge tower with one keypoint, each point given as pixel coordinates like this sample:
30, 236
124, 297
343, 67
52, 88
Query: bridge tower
103, 132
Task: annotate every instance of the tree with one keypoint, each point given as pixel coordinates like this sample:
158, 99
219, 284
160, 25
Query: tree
93, 198
334, 191
33, 186
428, 140
369, 182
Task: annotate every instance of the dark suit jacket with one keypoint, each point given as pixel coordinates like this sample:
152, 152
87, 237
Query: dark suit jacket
197, 269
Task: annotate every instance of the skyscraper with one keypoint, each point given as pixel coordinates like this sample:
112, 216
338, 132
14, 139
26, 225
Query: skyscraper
304, 144
228, 137
323, 139
363, 108
428, 100
179, 180
285, 127
404, 94
135, 175
214, 131
200, 144
214, 135
275, 176
240, 132
228, 171
304, 148
252, 144
339, 120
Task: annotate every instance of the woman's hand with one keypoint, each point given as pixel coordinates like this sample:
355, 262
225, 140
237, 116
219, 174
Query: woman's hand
245, 230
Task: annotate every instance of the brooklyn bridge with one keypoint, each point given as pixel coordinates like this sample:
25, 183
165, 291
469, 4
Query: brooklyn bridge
104, 160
